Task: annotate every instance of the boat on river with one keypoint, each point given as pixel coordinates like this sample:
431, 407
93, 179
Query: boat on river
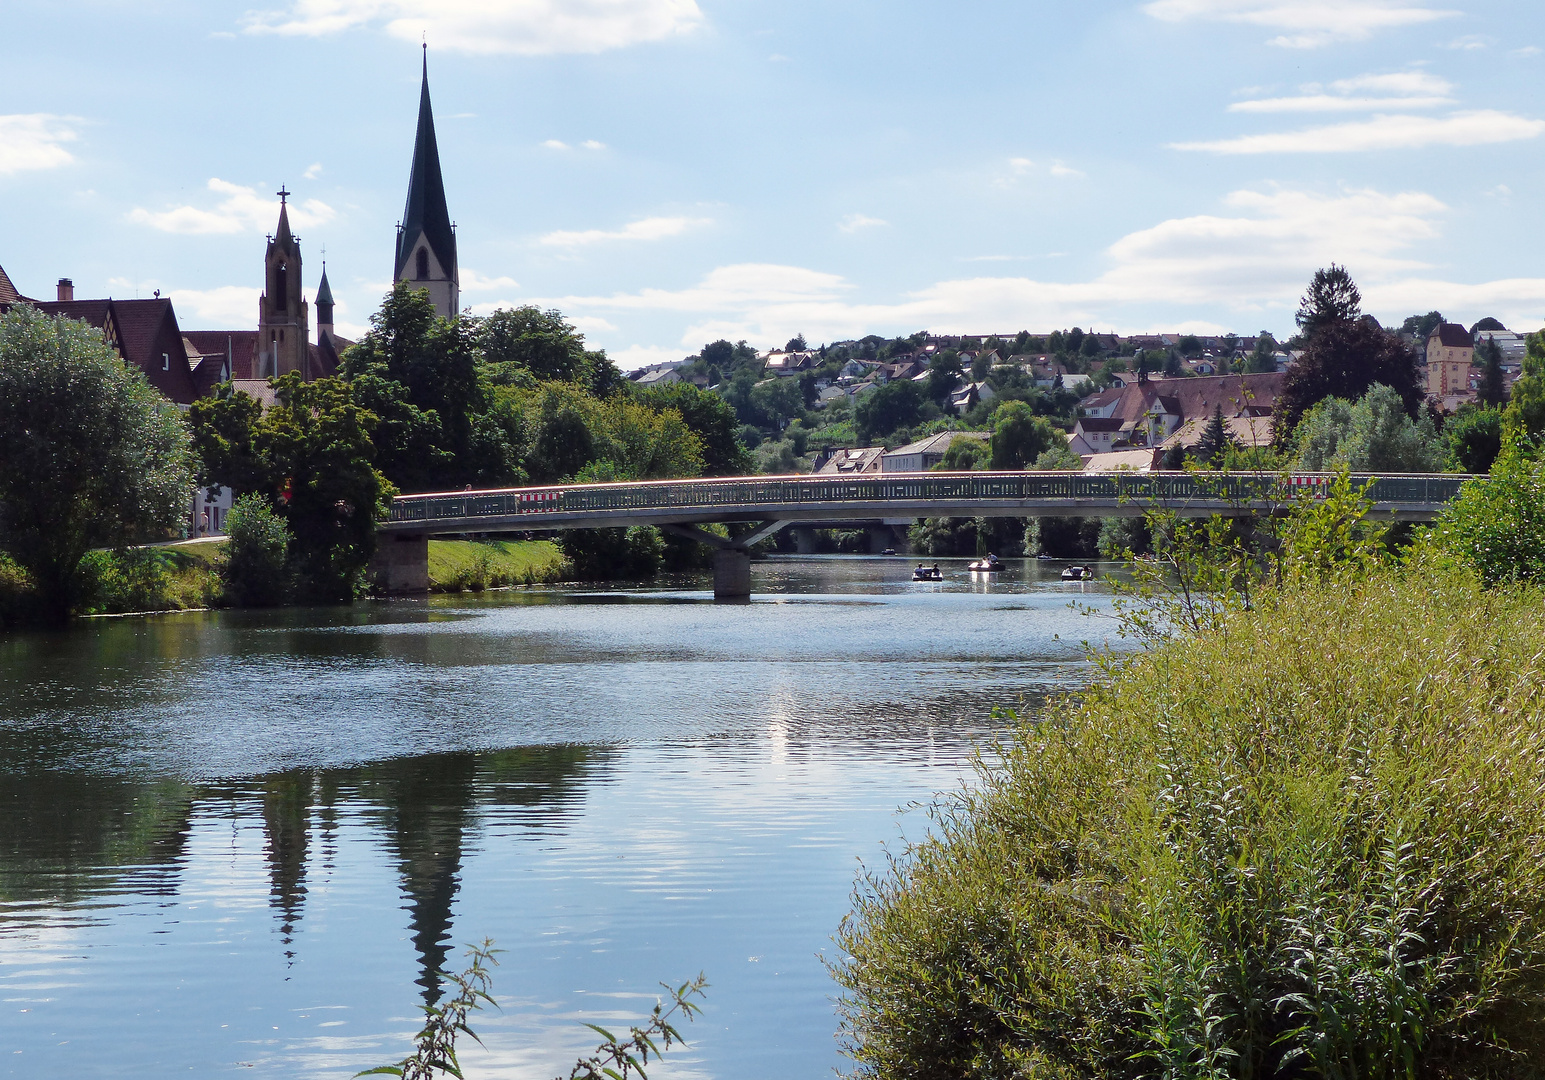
1077, 573
928, 573
988, 565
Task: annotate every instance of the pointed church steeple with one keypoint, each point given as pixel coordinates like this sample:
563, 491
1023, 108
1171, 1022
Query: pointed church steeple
426, 242
283, 315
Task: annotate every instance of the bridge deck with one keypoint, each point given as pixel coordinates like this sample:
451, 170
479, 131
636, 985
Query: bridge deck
1414, 497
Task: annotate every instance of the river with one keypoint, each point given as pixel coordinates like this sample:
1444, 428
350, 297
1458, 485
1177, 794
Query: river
242, 842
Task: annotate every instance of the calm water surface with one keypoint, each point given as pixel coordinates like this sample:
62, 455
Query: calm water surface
242, 842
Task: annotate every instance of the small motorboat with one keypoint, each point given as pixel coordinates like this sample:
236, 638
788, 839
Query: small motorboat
928, 573
988, 565
888, 551
1077, 573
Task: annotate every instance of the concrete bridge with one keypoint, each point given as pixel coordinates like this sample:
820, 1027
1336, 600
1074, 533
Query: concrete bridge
775, 502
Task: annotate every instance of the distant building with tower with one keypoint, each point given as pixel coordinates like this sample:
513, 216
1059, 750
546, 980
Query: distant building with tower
426, 237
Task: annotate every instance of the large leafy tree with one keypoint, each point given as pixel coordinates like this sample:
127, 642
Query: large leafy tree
92, 455
1524, 420
310, 456
1344, 359
1373, 434
1473, 439
1019, 437
898, 403
713, 421
543, 346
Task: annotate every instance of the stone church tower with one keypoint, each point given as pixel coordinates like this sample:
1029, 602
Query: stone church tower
283, 324
426, 239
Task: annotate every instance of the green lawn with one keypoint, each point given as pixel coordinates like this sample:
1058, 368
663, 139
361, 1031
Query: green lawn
457, 565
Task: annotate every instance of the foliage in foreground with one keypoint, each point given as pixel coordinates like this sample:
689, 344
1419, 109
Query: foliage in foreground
93, 456
617, 1059
1309, 844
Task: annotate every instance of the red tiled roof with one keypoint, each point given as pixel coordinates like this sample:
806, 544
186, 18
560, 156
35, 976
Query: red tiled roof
1453, 336
1190, 398
8, 293
238, 344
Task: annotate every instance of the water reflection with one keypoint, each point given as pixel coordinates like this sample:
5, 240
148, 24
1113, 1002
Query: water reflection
255, 837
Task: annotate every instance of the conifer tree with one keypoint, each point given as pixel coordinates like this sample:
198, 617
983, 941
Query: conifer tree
1215, 440
1492, 391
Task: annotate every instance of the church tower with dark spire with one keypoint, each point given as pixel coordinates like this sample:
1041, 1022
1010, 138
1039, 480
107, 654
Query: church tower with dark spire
283, 321
426, 239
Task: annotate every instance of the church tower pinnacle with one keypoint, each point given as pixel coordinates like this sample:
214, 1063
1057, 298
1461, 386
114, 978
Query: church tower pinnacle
426, 240
283, 320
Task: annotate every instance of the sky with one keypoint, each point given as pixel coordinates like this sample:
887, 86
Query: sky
670, 172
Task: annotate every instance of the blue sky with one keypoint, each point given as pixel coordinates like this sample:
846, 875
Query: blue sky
668, 172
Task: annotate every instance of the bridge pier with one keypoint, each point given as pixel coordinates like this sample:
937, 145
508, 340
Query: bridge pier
400, 566
804, 541
731, 574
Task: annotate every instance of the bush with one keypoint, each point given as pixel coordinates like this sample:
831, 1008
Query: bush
1497, 525
1247, 855
631, 554
256, 552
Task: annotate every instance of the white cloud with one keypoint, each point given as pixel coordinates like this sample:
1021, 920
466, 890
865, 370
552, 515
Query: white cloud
1307, 23
472, 281
1253, 259
492, 27
592, 324
34, 141
854, 222
216, 309
1527, 50
1060, 169
655, 228
1398, 90
593, 144
1383, 133
1021, 165
1469, 43
777, 58
242, 210
556, 144
313, 172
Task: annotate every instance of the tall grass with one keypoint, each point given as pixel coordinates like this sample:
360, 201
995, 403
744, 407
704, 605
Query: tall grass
466, 565
1312, 844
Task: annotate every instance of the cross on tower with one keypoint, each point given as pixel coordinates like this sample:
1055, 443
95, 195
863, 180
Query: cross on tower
282, 194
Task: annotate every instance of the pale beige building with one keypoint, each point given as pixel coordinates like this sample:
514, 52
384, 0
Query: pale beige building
1450, 352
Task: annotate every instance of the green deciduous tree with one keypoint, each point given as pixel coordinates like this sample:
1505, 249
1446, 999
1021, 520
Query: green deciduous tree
711, 420
1422, 326
1473, 439
256, 554
965, 455
1344, 359
1019, 436
1374, 434
92, 455
897, 404
1524, 420
1263, 357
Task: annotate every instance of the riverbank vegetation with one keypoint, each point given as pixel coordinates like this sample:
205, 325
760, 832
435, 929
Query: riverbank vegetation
475, 565
1300, 833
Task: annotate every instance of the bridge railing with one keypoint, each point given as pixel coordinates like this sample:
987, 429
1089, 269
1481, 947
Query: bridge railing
749, 493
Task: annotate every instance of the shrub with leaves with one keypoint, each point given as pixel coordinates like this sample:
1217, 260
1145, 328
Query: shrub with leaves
1309, 841
1497, 524
256, 551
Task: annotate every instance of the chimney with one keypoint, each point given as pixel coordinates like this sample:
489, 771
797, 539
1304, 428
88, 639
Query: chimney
66, 289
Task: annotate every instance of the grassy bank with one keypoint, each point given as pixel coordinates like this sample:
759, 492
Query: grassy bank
460, 565
1311, 843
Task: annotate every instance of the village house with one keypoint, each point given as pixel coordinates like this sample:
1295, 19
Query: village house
836, 461
926, 453
1096, 435
1150, 412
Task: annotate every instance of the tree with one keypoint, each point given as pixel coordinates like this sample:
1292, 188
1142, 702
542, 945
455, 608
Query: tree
1486, 324
1074, 341
1215, 441
944, 374
1373, 434
256, 551
1344, 359
93, 455
796, 344
980, 365
898, 403
1019, 436
1473, 439
526, 338
1172, 365
1190, 345
965, 455
1332, 297
710, 418
778, 400
1420, 327
1264, 357
1492, 391
1524, 419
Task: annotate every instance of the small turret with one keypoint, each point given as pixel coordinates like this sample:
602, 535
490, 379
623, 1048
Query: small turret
324, 306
